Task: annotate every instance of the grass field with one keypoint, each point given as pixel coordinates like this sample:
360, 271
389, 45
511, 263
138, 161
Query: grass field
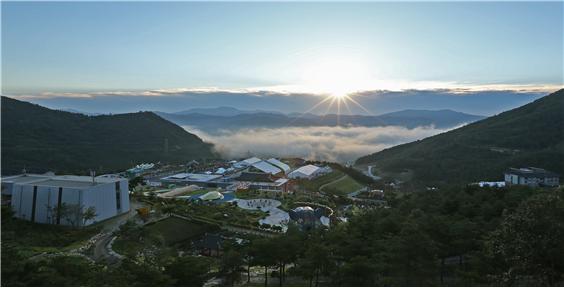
343, 187
314, 184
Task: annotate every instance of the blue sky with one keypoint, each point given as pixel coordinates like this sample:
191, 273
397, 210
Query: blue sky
121, 46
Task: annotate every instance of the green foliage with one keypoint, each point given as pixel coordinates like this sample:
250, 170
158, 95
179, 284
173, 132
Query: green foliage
41, 139
28, 235
343, 186
459, 236
530, 135
189, 271
528, 243
314, 184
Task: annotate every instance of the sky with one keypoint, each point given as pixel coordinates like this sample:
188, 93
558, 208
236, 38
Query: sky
53, 49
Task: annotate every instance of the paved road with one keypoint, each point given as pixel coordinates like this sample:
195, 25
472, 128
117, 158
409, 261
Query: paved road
109, 227
369, 173
101, 252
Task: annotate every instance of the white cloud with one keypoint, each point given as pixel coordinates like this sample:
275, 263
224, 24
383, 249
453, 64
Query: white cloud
374, 87
319, 143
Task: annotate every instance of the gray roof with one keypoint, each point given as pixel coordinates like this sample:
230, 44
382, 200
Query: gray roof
69, 181
196, 177
306, 170
532, 172
266, 167
279, 164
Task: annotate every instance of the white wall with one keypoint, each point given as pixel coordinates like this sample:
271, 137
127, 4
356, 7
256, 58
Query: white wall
101, 197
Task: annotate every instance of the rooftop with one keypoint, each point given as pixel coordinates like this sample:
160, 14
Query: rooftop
266, 167
307, 170
69, 181
192, 177
532, 172
247, 162
279, 164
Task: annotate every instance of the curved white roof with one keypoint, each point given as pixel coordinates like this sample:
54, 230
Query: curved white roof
212, 195
266, 167
279, 164
251, 161
303, 208
307, 170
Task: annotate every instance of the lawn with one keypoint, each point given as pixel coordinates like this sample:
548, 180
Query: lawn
314, 184
343, 187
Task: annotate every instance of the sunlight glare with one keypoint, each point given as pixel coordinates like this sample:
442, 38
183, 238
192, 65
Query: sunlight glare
337, 78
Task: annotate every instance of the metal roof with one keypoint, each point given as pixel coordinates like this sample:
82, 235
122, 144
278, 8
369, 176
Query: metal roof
71, 181
307, 170
192, 177
266, 167
279, 164
531, 172
251, 161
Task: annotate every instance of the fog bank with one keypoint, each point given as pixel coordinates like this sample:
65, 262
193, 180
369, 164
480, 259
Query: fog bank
339, 144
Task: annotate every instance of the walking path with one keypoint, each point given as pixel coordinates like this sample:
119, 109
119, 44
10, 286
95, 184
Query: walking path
331, 182
369, 173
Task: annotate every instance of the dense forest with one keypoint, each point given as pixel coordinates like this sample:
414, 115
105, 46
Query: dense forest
460, 236
531, 135
40, 139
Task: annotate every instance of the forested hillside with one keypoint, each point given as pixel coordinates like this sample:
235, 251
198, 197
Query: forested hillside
40, 139
531, 135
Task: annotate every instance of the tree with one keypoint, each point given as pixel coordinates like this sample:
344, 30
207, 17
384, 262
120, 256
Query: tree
264, 256
528, 243
358, 272
232, 263
88, 215
188, 271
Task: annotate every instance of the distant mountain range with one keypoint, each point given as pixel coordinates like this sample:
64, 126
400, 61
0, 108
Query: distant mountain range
41, 139
222, 111
531, 135
485, 102
231, 118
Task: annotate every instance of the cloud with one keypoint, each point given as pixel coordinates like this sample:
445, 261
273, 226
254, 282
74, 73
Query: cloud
473, 101
340, 144
378, 86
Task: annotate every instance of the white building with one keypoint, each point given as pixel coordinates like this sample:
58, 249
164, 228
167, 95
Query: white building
247, 162
531, 176
36, 197
285, 167
266, 167
305, 172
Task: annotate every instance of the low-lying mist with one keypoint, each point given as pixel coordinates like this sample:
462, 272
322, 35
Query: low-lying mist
340, 144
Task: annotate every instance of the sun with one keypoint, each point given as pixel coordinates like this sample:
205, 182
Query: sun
335, 77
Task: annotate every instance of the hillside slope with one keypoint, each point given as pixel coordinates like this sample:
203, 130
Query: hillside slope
531, 135
41, 139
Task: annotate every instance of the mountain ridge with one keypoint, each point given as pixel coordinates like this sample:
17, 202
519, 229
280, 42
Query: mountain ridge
530, 135
41, 139
405, 118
